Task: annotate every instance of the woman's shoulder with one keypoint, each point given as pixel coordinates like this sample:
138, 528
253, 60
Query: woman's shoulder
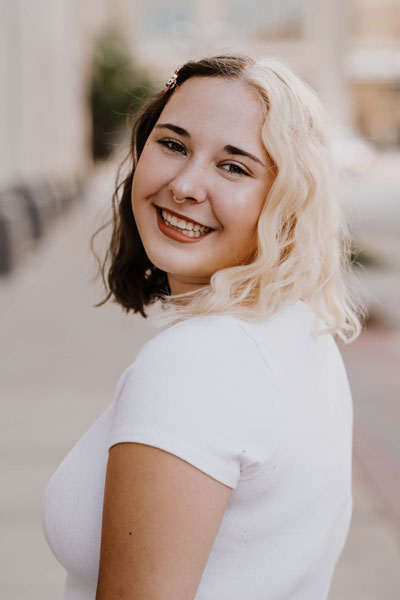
195, 336
202, 350
223, 347
201, 345
224, 340
206, 333
288, 320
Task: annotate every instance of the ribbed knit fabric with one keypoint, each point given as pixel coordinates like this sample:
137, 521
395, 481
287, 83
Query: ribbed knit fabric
263, 407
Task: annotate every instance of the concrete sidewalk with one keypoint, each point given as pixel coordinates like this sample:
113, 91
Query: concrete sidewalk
61, 359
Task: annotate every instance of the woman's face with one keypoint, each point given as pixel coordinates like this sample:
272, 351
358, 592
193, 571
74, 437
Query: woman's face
205, 148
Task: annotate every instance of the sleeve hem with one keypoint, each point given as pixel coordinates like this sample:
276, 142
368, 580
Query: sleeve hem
226, 474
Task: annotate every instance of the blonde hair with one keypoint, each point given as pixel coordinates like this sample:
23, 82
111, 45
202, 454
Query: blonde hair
304, 242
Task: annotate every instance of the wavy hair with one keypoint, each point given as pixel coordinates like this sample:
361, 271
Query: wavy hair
304, 244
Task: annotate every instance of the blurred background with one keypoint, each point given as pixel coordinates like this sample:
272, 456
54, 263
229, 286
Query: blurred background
70, 74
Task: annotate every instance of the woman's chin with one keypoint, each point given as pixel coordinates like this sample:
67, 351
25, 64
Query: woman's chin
178, 267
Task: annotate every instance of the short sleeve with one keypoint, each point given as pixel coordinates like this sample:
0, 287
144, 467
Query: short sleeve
198, 390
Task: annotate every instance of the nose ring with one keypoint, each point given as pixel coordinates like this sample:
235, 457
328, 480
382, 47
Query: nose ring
175, 199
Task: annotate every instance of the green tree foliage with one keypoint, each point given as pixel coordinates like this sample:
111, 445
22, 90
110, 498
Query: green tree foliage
117, 90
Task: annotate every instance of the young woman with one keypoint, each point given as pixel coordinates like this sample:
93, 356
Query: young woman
224, 461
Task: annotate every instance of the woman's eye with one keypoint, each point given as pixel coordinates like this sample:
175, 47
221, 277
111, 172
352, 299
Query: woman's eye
172, 145
235, 169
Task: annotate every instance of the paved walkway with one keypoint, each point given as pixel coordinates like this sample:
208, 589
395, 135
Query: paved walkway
61, 359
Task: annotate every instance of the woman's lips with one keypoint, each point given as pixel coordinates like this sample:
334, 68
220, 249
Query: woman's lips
182, 216
174, 234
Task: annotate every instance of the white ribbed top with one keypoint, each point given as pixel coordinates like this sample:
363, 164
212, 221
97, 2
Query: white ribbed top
263, 407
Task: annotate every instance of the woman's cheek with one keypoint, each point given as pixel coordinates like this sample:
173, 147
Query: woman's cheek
147, 180
235, 210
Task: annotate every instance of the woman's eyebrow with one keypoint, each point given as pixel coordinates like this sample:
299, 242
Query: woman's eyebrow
239, 152
228, 148
175, 128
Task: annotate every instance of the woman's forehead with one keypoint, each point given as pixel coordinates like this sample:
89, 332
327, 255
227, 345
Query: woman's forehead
217, 104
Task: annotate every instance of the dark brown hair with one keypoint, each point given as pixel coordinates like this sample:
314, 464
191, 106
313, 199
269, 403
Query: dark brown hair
127, 273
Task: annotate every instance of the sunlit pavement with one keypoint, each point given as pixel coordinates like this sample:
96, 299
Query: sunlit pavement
61, 359
369, 566
373, 360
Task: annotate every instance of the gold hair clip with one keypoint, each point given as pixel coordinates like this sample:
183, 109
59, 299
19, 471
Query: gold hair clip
171, 83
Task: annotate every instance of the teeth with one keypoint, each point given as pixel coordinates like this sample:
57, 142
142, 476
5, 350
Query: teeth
186, 227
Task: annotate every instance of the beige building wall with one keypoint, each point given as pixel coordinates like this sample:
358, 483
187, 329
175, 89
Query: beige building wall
374, 63
41, 85
314, 47
46, 49
45, 55
376, 20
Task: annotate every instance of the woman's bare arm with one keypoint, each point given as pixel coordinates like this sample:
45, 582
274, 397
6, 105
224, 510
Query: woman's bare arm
160, 519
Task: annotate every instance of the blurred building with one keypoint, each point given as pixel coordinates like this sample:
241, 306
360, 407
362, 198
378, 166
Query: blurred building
46, 49
374, 68
306, 34
349, 50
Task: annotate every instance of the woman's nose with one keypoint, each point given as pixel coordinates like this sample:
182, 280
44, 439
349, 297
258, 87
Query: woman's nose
190, 183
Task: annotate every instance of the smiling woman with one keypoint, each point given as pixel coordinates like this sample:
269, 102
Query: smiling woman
237, 128
222, 469
187, 157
